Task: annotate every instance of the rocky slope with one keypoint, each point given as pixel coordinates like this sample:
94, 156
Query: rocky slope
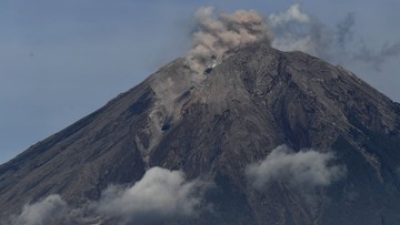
214, 127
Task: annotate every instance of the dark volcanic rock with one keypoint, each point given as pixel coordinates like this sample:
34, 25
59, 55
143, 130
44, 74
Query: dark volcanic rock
257, 99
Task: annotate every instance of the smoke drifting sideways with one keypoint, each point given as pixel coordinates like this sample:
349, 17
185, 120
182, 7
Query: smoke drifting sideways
159, 196
216, 34
290, 30
296, 30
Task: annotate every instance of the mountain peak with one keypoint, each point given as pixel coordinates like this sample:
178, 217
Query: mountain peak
215, 125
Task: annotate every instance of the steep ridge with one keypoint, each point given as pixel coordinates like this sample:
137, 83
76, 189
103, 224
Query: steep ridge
215, 127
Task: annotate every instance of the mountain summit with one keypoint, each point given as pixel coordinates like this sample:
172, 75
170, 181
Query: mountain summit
265, 137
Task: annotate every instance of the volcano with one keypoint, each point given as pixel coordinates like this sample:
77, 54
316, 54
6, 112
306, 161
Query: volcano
214, 129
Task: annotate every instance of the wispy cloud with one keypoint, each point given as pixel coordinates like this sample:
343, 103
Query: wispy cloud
297, 30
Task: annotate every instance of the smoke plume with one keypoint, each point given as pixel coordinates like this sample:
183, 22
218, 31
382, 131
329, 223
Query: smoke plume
307, 168
216, 34
291, 30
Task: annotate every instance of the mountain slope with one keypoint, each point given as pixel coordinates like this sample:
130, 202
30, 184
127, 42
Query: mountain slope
255, 100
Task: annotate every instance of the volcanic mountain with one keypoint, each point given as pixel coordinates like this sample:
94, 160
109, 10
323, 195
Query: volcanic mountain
216, 128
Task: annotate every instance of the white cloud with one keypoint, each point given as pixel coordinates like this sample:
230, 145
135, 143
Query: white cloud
295, 30
44, 212
159, 195
293, 14
305, 168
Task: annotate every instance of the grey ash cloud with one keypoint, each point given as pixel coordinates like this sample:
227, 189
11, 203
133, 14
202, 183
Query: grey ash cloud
306, 168
290, 30
217, 33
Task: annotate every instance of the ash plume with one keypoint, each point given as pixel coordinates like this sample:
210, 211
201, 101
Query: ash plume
290, 30
217, 33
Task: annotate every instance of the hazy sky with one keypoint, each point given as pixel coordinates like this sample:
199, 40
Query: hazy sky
60, 60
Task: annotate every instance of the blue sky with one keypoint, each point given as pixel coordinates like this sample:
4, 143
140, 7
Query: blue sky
60, 60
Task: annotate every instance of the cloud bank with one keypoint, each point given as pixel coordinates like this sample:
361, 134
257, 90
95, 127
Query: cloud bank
160, 195
307, 168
